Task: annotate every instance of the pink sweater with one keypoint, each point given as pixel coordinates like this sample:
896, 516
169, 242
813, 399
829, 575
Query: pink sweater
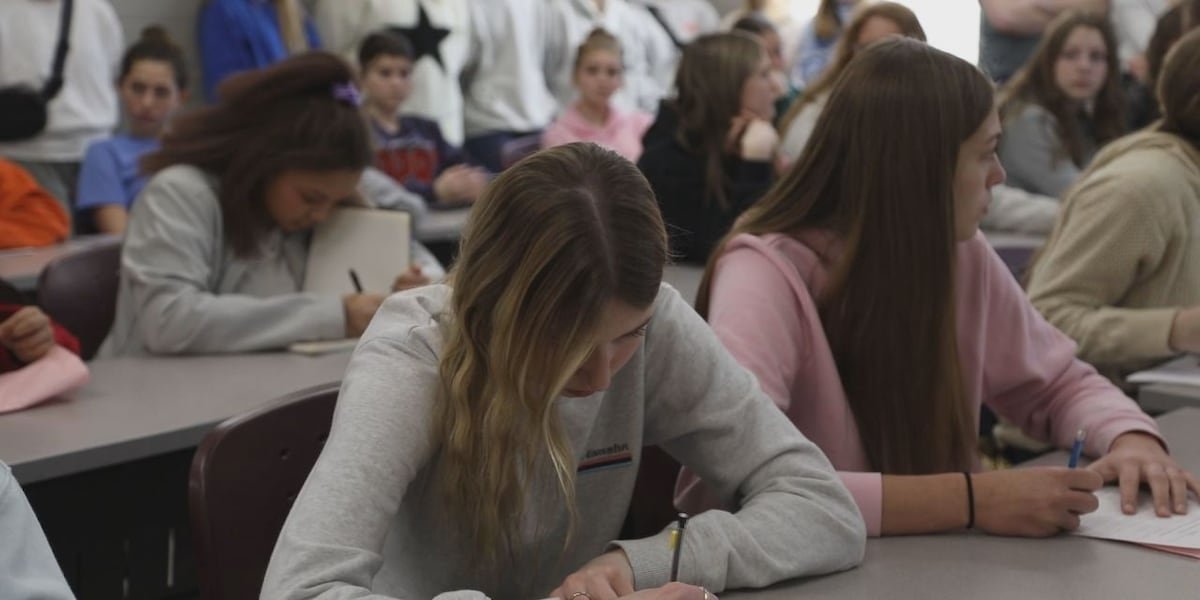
621, 134
762, 309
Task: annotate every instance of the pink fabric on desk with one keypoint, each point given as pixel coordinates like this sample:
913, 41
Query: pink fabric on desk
58, 372
763, 310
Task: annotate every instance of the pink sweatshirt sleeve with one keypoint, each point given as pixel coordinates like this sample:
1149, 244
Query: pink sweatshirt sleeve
761, 312
1032, 377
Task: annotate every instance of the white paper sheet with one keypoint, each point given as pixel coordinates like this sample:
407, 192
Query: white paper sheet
1143, 527
1184, 370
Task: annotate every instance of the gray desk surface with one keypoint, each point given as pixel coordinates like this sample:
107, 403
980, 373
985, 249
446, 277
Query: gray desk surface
22, 266
140, 407
1161, 397
982, 567
442, 225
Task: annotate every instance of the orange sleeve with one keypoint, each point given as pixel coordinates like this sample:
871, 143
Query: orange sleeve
29, 215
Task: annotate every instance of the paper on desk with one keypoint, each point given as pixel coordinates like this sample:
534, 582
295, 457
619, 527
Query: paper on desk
1184, 370
1179, 534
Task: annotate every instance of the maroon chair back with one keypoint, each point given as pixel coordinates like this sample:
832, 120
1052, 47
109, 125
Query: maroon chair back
245, 476
79, 291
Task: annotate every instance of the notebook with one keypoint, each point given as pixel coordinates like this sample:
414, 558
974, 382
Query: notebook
375, 244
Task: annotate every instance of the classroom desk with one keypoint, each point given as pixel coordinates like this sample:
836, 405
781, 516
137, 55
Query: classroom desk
1162, 397
22, 266
982, 567
135, 408
442, 225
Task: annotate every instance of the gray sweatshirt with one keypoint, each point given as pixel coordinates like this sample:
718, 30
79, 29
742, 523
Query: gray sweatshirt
183, 291
27, 566
1033, 154
366, 524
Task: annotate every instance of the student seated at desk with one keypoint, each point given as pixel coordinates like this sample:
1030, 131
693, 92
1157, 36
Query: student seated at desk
1063, 105
708, 153
1121, 272
152, 85
874, 313
215, 253
488, 432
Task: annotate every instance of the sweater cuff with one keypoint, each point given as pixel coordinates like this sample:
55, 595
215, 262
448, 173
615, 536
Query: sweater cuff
330, 318
1151, 329
867, 491
649, 558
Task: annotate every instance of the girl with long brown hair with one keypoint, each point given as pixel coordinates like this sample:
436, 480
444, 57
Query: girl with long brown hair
1063, 105
489, 431
861, 294
871, 23
1120, 274
708, 154
215, 250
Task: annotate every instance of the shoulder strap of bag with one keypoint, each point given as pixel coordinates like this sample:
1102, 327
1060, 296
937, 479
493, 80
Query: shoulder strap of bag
55, 82
654, 12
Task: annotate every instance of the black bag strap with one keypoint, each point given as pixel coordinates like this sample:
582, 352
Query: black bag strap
654, 12
55, 82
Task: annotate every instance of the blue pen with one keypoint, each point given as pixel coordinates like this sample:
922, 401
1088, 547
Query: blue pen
1077, 448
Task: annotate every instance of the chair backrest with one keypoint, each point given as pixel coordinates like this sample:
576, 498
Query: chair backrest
1018, 259
79, 291
245, 476
512, 151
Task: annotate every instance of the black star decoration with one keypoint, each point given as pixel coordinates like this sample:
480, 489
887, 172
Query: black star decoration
426, 39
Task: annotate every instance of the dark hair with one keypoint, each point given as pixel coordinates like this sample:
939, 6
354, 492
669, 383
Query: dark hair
1035, 83
387, 42
156, 44
888, 310
755, 24
1179, 89
265, 122
1171, 26
828, 22
708, 94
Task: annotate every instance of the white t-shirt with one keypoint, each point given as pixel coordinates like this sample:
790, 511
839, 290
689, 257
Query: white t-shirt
86, 108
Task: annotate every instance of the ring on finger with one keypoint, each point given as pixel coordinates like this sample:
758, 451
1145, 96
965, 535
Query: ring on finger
707, 596
586, 595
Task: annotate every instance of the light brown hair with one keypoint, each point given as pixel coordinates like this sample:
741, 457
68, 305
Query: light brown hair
708, 86
267, 121
847, 47
1035, 83
598, 39
291, 25
879, 175
1179, 89
553, 240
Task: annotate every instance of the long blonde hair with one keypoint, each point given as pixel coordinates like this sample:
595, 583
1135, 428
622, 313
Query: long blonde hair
847, 47
552, 240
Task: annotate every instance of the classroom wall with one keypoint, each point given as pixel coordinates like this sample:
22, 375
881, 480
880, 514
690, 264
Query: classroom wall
177, 16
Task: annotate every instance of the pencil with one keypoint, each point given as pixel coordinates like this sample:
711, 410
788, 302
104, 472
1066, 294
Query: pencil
1077, 448
358, 289
677, 545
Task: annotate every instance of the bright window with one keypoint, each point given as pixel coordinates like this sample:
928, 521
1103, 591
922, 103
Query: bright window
952, 25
